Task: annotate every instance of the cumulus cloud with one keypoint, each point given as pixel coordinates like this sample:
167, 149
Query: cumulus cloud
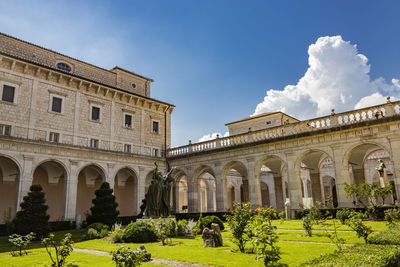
337, 77
212, 136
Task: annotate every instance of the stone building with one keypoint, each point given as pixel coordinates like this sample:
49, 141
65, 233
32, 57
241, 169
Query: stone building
69, 125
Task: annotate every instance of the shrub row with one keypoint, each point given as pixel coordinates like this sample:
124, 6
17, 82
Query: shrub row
6, 229
360, 255
326, 211
389, 237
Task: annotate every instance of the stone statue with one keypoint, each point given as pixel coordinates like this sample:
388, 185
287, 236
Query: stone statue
381, 168
158, 195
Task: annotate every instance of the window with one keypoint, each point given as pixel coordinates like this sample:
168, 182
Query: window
5, 129
64, 67
95, 113
155, 152
94, 143
127, 148
54, 137
155, 126
268, 122
128, 121
133, 85
56, 104
8, 93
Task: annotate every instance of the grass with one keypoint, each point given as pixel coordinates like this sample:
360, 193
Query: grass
191, 250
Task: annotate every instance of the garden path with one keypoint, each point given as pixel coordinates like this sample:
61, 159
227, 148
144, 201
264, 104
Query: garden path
155, 261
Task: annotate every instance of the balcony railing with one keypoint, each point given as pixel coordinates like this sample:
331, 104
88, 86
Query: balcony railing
334, 120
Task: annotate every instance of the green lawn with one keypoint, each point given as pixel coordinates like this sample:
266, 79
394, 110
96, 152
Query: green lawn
191, 249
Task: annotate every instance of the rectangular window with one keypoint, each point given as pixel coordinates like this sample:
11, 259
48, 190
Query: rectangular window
128, 121
95, 113
155, 126
127, 148
94, 143
56, 104
5, 129
54, 137
155, 152
268, 122
8, 93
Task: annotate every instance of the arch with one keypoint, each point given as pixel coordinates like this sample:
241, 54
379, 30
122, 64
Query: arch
10, 173
352, 148
204, 175
61, 163
52, 176
90, 178
271, 174
180, 191
312, 166
126, 191
235, 172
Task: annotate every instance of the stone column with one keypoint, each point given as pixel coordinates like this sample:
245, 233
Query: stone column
342, 175
322, 188
25, 179
395, 147
141, 186
220, 186
71, 192
294, 186
210, 196
254, 183
237, 193
110, 178
193, 192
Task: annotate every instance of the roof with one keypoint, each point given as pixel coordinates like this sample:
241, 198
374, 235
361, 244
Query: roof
131, 72
267, 114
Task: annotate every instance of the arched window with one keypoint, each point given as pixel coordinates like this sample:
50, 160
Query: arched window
64, 67
133, 85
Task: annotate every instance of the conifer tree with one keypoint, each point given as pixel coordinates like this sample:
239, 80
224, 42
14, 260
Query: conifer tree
104, 209
33, 215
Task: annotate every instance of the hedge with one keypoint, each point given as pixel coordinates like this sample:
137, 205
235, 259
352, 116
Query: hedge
360, 255
196, 216
389, 237
327, 211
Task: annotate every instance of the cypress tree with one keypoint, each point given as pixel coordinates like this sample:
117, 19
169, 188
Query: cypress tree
104, 209
33, 215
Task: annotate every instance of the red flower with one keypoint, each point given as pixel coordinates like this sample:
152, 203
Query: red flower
72, 241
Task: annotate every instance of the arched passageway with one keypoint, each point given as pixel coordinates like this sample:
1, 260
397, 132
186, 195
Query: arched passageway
272, 175
126, 191
89, 180
51, 175
205, 180
235, 176
180, 191
9, 180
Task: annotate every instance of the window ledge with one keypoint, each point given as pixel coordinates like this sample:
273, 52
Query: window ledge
8, 103
56, 113
98, 121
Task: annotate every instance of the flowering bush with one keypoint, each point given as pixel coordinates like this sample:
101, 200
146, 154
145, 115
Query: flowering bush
239, 223
19, 242
166, 228
62, 248
126, 257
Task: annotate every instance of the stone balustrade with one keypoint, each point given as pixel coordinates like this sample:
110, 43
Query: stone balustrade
332, 121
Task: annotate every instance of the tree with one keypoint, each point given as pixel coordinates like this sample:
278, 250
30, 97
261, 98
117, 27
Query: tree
104, 209
239, 223
33, 215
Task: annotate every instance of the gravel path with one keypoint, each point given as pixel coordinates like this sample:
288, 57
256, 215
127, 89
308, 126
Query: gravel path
155, 261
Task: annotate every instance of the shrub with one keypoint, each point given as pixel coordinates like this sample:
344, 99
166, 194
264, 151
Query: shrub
307, 224
239, 223
91, 234
343, 215
104, 207
389, 237
127, 257
392, 217
166, 228
96, 230
360, 228
264, 238
181, 227
19, 243
62, 248
117, 235
359, 255
33, 215
208, 220
191, 226
140, 232
98, 226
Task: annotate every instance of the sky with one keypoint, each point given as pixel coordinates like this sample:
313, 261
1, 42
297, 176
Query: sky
219, 61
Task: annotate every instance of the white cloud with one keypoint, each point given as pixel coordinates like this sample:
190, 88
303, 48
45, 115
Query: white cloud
212, 136
337, 77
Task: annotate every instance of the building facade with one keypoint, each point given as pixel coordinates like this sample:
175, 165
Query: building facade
69, 125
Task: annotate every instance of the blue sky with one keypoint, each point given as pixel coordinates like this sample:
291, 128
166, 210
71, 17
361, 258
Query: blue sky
216, 60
